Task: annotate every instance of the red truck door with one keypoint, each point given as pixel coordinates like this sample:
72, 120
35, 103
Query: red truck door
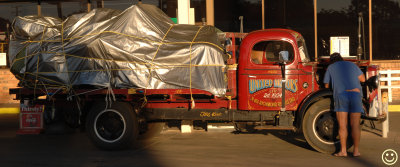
260, 77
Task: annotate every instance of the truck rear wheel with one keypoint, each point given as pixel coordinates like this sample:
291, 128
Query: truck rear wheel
320, 128
112, 128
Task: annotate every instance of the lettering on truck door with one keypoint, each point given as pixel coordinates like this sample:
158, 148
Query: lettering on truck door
264, 78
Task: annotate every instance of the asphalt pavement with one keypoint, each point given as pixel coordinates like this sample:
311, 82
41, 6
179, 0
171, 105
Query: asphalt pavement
217, 147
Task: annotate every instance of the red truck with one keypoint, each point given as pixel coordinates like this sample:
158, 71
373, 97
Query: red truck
272, 84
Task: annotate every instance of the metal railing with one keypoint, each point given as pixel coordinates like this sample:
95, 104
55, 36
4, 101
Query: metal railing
388, 79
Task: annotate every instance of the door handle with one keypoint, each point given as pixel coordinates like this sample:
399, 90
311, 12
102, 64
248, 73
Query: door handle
252, 76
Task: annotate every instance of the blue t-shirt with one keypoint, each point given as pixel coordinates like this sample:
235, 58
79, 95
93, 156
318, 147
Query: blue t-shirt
344, 76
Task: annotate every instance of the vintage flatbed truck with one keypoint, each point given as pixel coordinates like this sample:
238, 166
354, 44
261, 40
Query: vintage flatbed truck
265, 90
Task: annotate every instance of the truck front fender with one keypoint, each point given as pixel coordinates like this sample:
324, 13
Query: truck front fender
308, 101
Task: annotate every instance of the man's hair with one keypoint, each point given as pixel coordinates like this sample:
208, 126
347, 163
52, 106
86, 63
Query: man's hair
335, 57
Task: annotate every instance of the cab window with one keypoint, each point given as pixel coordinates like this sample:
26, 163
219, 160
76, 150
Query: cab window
267, 52
303, 51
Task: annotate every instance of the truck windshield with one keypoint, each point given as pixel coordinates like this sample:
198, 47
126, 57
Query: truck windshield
303, 50
267, 52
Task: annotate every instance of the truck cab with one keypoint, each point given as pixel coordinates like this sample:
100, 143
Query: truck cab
260, 75
265, 80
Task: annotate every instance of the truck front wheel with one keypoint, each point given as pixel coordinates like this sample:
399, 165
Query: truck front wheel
112, 128
320, 128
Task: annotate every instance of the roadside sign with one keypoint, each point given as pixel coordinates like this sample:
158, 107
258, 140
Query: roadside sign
30, 119
341, 45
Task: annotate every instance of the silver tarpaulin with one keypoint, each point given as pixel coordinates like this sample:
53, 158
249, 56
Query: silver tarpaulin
137, 48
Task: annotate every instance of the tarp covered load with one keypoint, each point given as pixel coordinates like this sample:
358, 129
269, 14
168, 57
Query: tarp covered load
137, 48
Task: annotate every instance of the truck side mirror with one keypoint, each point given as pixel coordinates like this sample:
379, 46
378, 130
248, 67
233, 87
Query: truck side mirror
283, 56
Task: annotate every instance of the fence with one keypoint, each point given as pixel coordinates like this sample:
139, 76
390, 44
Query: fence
389, 80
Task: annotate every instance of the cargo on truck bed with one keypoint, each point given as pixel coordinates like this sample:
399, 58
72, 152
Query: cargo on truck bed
139, 47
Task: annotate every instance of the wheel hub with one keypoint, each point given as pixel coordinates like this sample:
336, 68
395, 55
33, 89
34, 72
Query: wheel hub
326, 127
110, 125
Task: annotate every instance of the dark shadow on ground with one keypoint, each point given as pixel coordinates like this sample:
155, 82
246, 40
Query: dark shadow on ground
299, 140
372, 127
71, 149
292, 138
285, 135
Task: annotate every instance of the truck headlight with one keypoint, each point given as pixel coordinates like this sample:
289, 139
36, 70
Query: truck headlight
373, 81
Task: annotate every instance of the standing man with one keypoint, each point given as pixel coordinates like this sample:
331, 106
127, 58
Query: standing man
345, 78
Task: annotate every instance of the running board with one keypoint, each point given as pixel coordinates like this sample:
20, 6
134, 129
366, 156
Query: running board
271, 127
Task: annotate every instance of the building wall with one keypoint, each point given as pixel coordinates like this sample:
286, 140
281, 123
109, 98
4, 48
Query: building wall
7, 81
391, 65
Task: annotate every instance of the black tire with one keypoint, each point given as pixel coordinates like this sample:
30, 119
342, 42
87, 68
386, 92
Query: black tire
113, 128
320, 128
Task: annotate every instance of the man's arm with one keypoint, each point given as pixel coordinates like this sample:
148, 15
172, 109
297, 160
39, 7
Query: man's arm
361, 78
327, 78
